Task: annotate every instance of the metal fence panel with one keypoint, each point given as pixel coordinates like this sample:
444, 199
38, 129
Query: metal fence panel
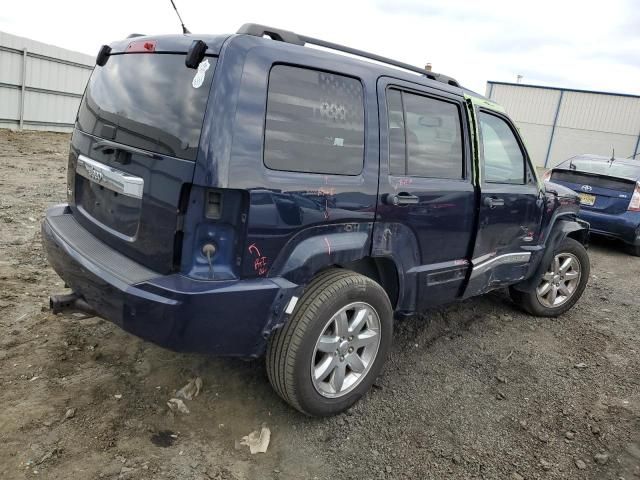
52, 109
40, 85
557, 123
601, 113
10, 104
11, 70
570, 141
525, 104
50, 75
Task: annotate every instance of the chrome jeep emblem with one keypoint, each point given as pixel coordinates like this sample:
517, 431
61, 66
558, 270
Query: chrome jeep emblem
109, 177
586, 188
95, 174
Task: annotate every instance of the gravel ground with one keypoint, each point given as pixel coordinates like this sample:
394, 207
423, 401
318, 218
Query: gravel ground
475, 390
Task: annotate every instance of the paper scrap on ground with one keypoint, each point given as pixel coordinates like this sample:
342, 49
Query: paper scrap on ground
175, 404
258, 440
191, 389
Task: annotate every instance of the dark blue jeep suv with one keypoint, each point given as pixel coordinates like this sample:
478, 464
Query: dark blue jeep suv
246, 194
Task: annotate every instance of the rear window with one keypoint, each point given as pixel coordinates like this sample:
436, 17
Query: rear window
315, 122
593, 180
148, 101
603, 167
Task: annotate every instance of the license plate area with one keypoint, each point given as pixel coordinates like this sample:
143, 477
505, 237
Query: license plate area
110, 198
587, 199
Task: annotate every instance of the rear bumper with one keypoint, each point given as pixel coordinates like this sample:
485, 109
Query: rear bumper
231, 318
624, 226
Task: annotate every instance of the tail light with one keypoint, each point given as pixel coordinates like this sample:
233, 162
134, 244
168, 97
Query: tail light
546, 176
214, 226
634, 204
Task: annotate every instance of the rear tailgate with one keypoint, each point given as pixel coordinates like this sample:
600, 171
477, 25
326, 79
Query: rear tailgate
597, 192
134, 149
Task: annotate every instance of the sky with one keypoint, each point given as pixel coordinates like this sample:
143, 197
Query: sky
593, 45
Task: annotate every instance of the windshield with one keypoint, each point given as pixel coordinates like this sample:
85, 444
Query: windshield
148, 101
603, 167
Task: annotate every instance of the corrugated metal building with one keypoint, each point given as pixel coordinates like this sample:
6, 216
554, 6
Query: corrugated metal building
40, 85
557, 123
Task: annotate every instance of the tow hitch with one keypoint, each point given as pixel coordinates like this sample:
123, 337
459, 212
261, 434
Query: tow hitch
71, 302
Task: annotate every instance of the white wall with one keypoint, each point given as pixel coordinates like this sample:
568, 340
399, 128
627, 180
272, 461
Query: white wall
53, 80
573, 122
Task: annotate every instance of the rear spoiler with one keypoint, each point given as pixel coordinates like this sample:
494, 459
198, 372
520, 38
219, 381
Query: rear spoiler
179, 44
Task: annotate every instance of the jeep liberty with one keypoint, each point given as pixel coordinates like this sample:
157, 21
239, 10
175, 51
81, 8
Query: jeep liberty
247, 195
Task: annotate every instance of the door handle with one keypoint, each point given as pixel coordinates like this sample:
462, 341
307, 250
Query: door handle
402, 198
405, 198
493, 202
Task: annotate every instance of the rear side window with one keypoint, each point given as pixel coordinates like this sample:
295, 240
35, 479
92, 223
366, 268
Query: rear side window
425, 137
503, 158
315, 122
148, 101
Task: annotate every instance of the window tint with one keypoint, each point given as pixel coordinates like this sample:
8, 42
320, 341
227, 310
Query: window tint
428, 132
503, 158
315, 122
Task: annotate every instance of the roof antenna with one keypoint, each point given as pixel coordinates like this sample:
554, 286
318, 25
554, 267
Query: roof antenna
613, 155
184, 29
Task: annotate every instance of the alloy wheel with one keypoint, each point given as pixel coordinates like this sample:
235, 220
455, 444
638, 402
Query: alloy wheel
560, 281
345, 350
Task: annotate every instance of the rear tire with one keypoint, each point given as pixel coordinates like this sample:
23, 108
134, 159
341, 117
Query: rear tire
311, 361
562, 284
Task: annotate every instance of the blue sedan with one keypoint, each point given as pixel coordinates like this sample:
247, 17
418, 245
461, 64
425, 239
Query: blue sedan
609, 190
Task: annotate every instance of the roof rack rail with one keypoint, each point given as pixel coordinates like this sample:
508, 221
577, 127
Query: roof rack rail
287, 36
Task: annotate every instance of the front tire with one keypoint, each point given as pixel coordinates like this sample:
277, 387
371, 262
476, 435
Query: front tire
329, 353
562, 284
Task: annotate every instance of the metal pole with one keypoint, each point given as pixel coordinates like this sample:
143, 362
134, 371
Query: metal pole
23, 86
553, 129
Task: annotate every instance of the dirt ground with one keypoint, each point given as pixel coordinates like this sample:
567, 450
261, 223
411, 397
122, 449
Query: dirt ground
476, 390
